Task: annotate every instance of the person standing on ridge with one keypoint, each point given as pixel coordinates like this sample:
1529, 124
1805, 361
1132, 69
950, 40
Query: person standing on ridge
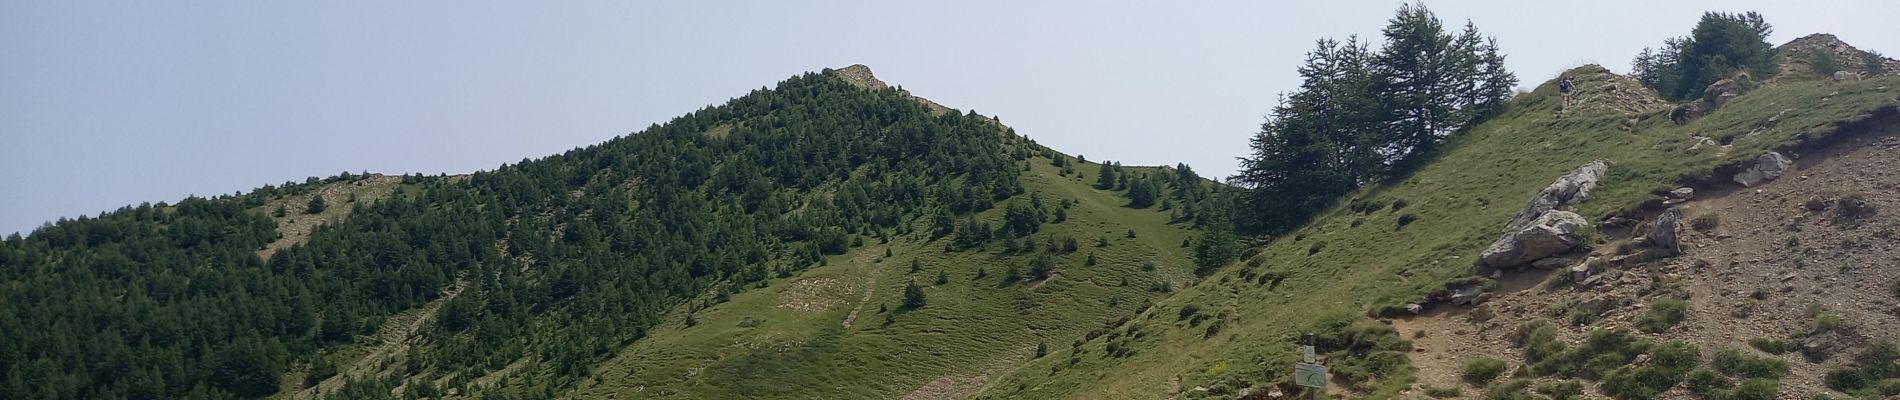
1563, 86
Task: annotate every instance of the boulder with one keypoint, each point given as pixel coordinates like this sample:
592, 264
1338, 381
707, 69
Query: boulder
1569, 189
1553, 263
1683, 193
1597, 305
1553, 233
1662, 237
1701, 142
1846, 76
1767, 168
1820, 345
1579, 272
1468, 294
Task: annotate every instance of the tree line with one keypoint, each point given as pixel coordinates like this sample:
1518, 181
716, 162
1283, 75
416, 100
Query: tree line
560, 261
1361, 116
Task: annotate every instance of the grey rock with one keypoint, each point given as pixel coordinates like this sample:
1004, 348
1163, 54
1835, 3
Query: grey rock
1768, 167
1596, 305
1571, 188
1553, 263
1553, 233
1683, 193
1820, 345
1663, 235
1483, 313
1579, 272
1468, 294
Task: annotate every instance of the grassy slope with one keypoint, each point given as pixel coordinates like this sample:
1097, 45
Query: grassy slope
971, 328
1460, 200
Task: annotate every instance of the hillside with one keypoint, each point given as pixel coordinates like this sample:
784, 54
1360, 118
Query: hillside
834, 236
1349, 275
562, 274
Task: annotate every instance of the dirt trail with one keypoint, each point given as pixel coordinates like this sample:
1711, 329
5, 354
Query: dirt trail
870, 288
950, 387
394, 336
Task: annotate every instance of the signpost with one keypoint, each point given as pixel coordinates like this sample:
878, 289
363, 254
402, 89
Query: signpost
1309, 373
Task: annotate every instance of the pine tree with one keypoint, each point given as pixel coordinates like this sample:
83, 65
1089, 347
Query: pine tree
1042, 266
913, 296
316, 205
942, 277
1142, 193
1106, 179
916, 265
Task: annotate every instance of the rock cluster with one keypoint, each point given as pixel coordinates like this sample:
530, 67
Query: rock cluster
1541, 229
1768, 167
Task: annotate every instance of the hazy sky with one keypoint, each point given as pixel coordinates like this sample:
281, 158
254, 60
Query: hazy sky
108, 103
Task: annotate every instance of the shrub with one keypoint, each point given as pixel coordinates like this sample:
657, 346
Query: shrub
1879, 358
1755, 389
1853, 207
1188, 311
1515, 389
1561, 390
1438, 392
1483, 370
1846, 379
1705, 222
1406, 219
1663, 314
1774, 346
1734, 363
1826, 322
1707, 384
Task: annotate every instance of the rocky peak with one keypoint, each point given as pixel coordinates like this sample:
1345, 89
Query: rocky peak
1796, 56
860, 75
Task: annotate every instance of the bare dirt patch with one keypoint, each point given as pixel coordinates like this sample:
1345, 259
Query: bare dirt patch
814, 295
296, 225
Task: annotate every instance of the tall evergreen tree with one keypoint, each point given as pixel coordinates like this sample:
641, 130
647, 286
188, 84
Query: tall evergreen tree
1360, 116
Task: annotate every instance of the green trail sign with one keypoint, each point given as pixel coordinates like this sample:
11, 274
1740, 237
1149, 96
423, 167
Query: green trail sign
1309, 375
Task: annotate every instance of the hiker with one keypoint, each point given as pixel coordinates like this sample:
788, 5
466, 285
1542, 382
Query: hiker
1563, 86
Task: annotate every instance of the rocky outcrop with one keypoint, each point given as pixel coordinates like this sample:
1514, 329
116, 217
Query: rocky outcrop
1662, 237
1768, 167
1542, 229
1569, 189
1551, 234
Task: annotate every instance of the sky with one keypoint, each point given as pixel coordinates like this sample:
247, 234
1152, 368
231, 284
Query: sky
110, 103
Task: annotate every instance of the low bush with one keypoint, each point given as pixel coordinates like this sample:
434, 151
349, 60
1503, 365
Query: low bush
1755, 389
1705, 222
1442, 393
1483, 370
1774, 346
1663, 314
1515, 389
1561, 390
1707, 384
1734, 363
